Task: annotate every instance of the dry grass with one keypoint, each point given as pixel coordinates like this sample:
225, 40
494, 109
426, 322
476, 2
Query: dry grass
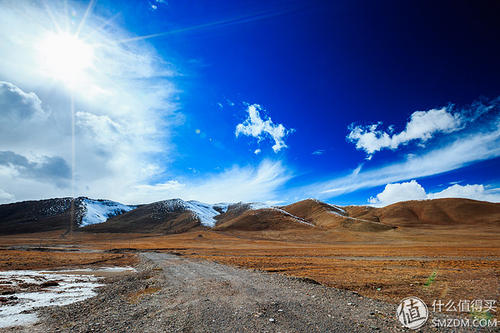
384, 265
15, 259
136, 297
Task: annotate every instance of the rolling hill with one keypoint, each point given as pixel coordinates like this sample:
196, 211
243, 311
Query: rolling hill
55, 214
177, 216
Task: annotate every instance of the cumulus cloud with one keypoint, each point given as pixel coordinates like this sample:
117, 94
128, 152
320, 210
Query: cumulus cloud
260, 128
475, 192
399, 192
422, 126
247, 184
412, 190
17, 104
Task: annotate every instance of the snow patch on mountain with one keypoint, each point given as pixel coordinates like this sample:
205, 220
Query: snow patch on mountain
260, 205
98, 211
206, 212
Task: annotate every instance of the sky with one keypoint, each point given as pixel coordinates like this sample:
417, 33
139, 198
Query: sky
350, 102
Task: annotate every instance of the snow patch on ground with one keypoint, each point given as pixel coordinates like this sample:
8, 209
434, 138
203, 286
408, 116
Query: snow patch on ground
98, 211
69, 286
70, 289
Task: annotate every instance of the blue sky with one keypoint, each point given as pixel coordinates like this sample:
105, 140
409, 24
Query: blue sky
351, 102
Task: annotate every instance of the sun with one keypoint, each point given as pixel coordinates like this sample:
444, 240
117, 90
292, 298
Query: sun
65, 57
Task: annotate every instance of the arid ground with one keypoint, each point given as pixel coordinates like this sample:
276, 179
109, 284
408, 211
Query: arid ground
438, 263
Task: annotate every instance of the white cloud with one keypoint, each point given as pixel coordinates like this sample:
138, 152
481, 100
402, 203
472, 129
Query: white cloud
245, 184
123, 104
482, 145
259, 128
318, 152
412, 190
475, 192
17, 105
422, 126
257, 151
399, 192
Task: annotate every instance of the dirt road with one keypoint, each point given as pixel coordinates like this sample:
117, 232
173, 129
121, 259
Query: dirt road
176, 294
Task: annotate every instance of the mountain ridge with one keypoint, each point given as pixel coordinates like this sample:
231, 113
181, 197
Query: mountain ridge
177, 215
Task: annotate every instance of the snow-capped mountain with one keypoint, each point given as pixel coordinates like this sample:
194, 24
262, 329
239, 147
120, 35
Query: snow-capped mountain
99, 211
206, 213
58, 213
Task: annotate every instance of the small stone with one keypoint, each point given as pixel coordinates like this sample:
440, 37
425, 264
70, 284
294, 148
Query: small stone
271, 320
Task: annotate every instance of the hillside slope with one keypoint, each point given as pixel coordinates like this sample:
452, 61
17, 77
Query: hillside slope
452, 211
263, 219
56, 214
330, 216
168, 216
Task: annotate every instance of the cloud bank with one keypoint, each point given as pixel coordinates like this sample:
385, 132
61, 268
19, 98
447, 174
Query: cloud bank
412, 190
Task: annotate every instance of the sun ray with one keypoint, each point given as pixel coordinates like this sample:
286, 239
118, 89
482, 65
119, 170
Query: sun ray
51, 15
225, 22
85, 16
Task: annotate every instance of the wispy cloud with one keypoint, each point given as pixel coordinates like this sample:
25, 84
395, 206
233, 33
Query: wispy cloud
318, 152
260, 128
261, 183
412, 190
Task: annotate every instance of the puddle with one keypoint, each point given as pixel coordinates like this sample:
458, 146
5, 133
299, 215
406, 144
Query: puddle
23, 291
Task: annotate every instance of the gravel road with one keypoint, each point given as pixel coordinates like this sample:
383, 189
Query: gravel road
176, 294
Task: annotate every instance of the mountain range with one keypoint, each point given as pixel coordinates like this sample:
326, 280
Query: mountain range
176, 216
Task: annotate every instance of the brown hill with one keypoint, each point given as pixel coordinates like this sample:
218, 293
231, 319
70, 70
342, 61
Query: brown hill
177, 216
169, 217
330, 216
453, 211
263, 219
35, 216
316, 212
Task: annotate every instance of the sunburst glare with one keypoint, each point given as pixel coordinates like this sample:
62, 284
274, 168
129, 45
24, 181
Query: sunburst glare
65, 57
